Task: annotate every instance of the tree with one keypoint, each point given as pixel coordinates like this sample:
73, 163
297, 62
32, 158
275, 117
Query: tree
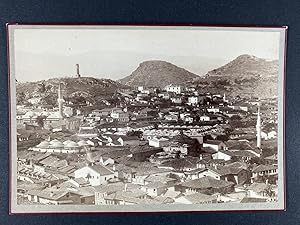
41, 88
269, 191
20, 98
88, 176
40, 121
50, 100
177, 155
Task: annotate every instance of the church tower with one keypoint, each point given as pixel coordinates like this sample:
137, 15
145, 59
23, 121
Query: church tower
60, 101
258, 127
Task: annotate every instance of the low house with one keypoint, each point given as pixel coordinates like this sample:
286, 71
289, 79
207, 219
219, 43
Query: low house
253, 200
233, 173
242, 145
271, 160
176, 100
141, 173
196, 198
181, 165
174, 88
128, 140
215, 144
158, 141
101, 112
206, 185
213, 110
113, 140
88, 131
102, 191
119, 115
95, 174
261, 190
50, 196
264, 170
133, 197
79, 187
225, 155
243, 156
155, 188
162, 178
204, 118
183, 144
141, 153
193, 100
164, 95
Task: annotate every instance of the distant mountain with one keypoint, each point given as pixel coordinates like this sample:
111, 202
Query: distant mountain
110, 64
244, 76
77, 89
246, 66
157, 73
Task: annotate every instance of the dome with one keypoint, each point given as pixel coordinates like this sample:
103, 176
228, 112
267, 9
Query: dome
66, 142
58, 144
29, 113
43, 144
82, 143
45, 113
72, 144
54, 141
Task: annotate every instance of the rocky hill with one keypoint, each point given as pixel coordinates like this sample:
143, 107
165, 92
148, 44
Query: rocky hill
74, 89
245, 76
246, 66
157, 73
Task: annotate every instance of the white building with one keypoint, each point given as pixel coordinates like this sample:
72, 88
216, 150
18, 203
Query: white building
193, 100
174, 88
158, 142
95, 174
204, 118
213, 110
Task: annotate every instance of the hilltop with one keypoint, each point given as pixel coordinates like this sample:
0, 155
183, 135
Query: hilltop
246, 66
156, 73
246, 75
84, 88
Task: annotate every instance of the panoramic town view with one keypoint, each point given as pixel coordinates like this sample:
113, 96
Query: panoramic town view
143, 145
161, 135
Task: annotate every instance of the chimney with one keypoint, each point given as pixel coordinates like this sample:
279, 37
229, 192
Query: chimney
125, 187
114, 168
51, 194
200, 157
267, 181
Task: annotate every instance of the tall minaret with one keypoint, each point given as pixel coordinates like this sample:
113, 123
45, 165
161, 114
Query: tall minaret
77, 70
258, 127
60, 101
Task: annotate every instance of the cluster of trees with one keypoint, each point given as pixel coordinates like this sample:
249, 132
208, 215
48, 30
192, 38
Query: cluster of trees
21, 98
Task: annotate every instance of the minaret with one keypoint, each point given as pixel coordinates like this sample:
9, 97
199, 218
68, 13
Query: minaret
77, 70
60, 101
258, 127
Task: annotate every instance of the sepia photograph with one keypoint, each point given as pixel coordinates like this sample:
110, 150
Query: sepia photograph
146, 118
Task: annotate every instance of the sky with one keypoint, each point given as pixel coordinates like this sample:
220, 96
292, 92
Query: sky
114, 53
